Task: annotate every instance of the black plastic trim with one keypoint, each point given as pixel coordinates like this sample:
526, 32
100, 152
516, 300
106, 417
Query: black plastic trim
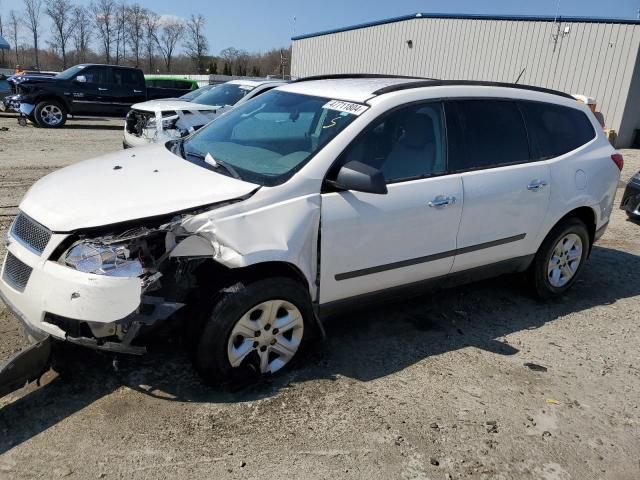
427, 258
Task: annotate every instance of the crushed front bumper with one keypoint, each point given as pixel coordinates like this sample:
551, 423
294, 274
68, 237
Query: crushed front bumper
631, 198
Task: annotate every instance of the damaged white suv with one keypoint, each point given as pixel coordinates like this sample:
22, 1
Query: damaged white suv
315, 196
157, 121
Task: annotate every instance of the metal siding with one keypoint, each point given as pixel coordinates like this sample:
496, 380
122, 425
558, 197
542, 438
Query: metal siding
595, 59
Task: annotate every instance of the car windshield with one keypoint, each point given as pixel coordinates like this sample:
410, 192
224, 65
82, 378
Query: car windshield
196, 93
269, 138
225, 94
70, 72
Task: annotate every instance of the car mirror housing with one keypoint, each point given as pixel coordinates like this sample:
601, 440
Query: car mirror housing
360, 177
81, 79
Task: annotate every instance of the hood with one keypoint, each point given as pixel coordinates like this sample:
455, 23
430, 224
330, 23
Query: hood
126, 185
169, 105
33, 79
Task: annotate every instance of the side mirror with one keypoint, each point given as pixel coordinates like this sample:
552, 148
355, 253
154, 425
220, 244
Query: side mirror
360, 177
81, 79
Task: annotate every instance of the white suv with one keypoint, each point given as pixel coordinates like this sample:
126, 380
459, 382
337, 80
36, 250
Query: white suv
310, 198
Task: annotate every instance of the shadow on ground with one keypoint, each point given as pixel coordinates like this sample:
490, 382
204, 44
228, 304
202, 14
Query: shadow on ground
364, 345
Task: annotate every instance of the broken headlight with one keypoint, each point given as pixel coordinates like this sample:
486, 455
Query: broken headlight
111, 260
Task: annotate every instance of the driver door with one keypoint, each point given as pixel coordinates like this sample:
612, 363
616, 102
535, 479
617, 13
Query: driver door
93, 97
371, 242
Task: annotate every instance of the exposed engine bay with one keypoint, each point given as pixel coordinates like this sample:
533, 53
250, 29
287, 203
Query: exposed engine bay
167, 125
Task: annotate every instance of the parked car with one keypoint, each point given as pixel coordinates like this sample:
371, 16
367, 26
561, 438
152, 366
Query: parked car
5, 88
317, 196
87, 89
184, 116
171, 86
631, 199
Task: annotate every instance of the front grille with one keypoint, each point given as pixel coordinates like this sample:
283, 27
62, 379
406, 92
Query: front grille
31, 233
16, 273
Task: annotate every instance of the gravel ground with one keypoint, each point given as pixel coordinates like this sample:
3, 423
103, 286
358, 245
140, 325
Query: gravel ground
431, 388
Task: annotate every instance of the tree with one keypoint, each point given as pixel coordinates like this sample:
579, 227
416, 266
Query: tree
213, 67
34, 14
121, 31
172, 31
1, 35
135, 29
196, 44
14, 24
82, 33
63, 25
104, 12
151, 25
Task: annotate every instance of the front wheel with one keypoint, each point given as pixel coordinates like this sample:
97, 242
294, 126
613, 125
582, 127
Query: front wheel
252, 330
560, 258
50, 114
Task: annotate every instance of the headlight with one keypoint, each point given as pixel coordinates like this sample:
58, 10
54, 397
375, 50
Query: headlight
112, 260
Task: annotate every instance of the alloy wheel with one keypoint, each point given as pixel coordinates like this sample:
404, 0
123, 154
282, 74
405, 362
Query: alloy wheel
565, 260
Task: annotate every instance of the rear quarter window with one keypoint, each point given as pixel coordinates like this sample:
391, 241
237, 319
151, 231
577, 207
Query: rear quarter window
554, 129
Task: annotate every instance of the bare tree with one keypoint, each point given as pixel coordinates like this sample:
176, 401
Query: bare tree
104, 12
196, 44
1, 35
135, 29
14, 25
121, 32
34, 14
63, 24
82, 33
151, 25
172, 31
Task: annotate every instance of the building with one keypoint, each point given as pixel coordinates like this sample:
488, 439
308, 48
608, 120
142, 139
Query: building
595, 57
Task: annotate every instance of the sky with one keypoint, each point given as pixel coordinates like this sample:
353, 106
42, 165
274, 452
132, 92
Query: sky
259, 25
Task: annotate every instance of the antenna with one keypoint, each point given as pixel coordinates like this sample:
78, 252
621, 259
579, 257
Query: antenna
520, 76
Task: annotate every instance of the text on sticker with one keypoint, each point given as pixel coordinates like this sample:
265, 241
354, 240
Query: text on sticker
347, 107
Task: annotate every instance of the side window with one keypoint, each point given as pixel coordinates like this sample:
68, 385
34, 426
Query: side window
96, 75
491, 132
406, 144
556, 130
125, 77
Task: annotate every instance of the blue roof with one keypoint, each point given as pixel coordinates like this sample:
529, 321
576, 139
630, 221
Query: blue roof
4, 45
522, 18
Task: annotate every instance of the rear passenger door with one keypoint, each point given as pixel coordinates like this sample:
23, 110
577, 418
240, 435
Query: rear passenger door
128, 88
506, 195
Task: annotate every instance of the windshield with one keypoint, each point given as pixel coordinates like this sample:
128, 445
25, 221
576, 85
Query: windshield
225, 94
196, 93
70, 72
269, 138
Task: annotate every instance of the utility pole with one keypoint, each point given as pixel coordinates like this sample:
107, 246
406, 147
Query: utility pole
283, 63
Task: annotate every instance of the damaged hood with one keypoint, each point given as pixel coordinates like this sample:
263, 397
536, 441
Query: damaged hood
169, 105
124, 186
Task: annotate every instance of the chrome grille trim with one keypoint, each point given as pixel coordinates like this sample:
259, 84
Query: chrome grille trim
30, 233
15, 272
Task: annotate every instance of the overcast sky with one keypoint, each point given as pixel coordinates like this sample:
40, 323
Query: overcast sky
259, 25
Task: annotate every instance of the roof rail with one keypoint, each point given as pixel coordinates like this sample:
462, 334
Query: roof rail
439, 83
338, 76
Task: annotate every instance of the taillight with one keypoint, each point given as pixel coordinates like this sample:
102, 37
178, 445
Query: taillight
618, 160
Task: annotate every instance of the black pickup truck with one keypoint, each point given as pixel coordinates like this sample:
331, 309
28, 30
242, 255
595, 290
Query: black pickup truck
88, 89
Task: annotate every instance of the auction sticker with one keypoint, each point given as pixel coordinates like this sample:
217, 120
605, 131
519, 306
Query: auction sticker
347, 107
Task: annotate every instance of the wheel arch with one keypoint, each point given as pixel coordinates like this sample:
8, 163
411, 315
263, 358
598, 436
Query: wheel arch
585, 214
56, 98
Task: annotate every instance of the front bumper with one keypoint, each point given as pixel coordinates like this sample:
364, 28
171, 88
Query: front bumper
631, 198
53, 289
10, 103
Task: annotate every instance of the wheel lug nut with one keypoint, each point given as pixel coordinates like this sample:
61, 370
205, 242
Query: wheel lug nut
267, 326
275, 331
273, 342
263, 348
257, 333
255, 344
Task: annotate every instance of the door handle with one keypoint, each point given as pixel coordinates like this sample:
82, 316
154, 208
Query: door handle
442, 201
536, 185
137, 91
102, 89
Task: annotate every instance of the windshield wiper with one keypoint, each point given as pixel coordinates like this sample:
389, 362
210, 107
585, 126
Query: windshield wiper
215, 164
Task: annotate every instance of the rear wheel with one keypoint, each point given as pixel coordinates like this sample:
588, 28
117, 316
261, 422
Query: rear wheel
253, 330
560, 258
50, 114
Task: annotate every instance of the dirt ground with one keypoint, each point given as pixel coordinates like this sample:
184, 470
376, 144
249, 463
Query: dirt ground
431, 388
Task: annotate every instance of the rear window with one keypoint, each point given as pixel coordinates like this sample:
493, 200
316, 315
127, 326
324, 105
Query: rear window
556, 130
490, 132
126, 77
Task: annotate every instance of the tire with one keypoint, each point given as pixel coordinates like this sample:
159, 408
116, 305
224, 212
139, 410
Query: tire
239, 327
554, 269
50, 114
